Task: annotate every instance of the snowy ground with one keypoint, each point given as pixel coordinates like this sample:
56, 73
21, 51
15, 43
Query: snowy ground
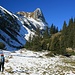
24, 62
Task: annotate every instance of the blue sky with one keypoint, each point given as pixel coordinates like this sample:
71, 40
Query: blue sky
55, 11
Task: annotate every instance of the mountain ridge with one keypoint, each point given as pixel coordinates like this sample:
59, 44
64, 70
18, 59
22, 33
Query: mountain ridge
15, 29
36, 14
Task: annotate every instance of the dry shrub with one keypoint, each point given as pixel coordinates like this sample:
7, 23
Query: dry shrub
9, 70
61, 56
10, 56
6, 60
50, 54
69, 50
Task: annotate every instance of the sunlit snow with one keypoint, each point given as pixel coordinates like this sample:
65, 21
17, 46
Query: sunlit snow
25, 62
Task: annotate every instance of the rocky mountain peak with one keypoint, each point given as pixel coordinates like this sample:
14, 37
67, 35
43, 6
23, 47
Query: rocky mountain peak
37, 14
15, 29
38, 11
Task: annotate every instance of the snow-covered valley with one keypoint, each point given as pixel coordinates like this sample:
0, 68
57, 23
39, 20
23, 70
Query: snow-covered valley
25, 62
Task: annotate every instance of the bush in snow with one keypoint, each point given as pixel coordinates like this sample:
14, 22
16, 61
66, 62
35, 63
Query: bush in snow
2, 45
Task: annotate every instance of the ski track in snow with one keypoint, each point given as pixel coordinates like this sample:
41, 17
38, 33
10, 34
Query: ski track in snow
25, 62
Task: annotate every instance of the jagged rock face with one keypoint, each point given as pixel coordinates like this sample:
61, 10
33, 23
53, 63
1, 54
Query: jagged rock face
35, 18
26, 14
10, 28
16, 29
37, 15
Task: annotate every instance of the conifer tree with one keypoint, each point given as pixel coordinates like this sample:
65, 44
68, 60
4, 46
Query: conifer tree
63, 41
46, 33
70, 33
74, 34
53, 29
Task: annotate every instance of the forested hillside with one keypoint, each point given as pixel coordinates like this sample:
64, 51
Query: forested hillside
53, 40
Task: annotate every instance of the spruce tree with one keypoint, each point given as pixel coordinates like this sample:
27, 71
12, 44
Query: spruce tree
70, 33
53, 29
46, 33
74, 34
64, 36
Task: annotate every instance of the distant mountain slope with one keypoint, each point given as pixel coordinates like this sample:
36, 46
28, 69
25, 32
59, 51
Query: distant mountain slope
16, 29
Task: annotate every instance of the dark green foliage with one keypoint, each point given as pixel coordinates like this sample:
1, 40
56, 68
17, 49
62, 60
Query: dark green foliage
68, 34
46, 33
53, 29
2, 45
35, 44
64, 36
55, 41
40, 41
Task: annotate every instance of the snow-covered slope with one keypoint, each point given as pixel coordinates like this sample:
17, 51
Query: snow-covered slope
32, 20
15, 29
35, 18
12, 32
25, 62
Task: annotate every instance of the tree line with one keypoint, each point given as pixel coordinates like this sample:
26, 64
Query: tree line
52, 39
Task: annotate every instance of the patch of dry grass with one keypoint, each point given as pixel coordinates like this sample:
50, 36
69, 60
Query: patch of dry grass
69, 61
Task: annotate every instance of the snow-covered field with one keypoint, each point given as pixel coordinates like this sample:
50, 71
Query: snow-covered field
25, 62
